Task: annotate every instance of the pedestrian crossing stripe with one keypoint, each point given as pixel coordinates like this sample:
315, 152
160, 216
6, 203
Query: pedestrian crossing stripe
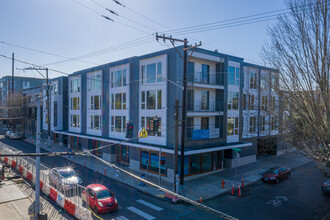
154, 207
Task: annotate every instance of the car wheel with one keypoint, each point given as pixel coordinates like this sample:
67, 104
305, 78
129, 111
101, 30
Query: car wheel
277, 180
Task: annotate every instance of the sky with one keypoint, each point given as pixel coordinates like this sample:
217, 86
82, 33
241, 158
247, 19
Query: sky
64, 29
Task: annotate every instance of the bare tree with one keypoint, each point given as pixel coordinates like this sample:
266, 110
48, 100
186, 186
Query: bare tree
299, 50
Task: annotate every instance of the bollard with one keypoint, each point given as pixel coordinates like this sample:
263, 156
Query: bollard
242, 183
223, 184
239, 190
232, 189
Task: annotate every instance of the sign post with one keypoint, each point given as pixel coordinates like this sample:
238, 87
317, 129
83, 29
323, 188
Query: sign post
143, 133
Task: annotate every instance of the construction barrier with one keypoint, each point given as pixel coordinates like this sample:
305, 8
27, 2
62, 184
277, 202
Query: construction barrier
52, 194
29, 176
60, 199
5, 160
70, 207
21, 169
13, 163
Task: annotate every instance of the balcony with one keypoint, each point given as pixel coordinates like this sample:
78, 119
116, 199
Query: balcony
200, 134
199, 106
206, 78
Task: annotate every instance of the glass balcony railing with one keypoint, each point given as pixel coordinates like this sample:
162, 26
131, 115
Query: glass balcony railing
206, 78
199, 106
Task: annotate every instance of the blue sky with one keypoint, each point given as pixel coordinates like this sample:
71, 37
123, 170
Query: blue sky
65, 28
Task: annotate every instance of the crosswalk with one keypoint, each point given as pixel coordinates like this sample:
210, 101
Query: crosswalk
150, 208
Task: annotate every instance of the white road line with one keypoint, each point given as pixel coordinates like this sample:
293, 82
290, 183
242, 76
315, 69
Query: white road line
121, 218
149, 205
141, 213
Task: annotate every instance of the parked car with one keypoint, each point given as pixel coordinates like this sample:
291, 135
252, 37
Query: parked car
15, 136
7, 134
64, 178
326, 187
100, 198
276, 174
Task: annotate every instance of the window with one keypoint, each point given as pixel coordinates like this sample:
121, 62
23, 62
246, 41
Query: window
112, 101
95, 102
253, 81
55, 88
233, 76
151, 99
55, 113
124, 101
75, 85
273, 103
75, 121
205, 99
263, 84
251, 102
118, 123
148, 124
217, 122
252, 127
262, 123
118, 78
244, 101
264, 103
118, 101
159, 99
143, 100
274, 123
151, 73
205, 73
75, 105
232, 100
150, 162
232, 126
274, 83
190, 127
205, 123
96, 122
95, 82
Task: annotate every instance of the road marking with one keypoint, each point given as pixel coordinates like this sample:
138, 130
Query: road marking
141, 213
121, 218
149, 205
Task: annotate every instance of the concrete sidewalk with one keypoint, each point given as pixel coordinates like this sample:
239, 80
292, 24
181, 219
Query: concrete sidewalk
207, 187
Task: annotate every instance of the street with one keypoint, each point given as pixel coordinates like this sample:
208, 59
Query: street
302, 192
300, 196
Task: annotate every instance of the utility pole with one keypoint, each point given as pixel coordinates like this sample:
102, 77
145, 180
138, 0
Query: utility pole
176, 147
12, 74
37, 185
184, 95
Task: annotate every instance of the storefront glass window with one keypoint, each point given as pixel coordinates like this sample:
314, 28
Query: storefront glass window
195, 163
207, 161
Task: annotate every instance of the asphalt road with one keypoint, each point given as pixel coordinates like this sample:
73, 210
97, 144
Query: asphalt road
129, 199
304, 199
302, 192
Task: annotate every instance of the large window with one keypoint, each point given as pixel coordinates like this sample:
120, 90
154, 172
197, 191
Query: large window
75, 85
262, 123
75, 121
151, 99
205, 99
96, 122
233, 76
148, 124
232, 100
75, 103
118, 101
150, 162
232, 126
151, 73
253, 81
118, 123
96, 82
55, 113
96, 102
118, 78
205, 73
251, 102
252, 127
273, 103
55, 89
264, 103
274, 123
274, 83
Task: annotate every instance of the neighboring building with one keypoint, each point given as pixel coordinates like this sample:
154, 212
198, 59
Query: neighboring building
58, 94
20, 83
30, 121
103, 99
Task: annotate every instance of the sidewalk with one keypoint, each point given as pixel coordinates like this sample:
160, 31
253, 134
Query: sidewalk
207, 187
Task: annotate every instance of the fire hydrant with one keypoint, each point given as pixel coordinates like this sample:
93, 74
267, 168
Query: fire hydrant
223, 184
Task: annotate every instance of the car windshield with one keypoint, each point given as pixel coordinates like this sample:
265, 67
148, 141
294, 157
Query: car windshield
67, 173
103, 194
272, 170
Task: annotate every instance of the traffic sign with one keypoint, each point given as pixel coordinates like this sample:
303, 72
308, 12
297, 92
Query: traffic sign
143, 132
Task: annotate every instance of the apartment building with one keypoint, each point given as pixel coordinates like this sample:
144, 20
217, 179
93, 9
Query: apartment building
103, 99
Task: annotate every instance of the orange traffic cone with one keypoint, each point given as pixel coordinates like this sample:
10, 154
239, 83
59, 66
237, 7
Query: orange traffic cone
239, 190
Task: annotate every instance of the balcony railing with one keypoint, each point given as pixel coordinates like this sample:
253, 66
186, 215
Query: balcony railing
206, 78
200, 134
199, 106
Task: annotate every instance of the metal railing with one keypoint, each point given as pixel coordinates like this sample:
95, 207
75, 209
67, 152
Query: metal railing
206, 78
199, 106
73, 192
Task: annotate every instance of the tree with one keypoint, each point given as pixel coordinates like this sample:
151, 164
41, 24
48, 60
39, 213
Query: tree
299, 50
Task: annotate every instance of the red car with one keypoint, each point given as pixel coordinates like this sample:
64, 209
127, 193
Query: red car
276, 174
100, 198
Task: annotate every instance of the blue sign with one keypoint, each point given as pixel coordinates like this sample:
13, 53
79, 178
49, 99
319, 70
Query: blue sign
201, 134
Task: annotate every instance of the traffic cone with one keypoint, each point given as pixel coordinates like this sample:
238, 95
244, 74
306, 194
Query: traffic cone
242, 183
200, 199
239, 190
232, 189
105, 171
